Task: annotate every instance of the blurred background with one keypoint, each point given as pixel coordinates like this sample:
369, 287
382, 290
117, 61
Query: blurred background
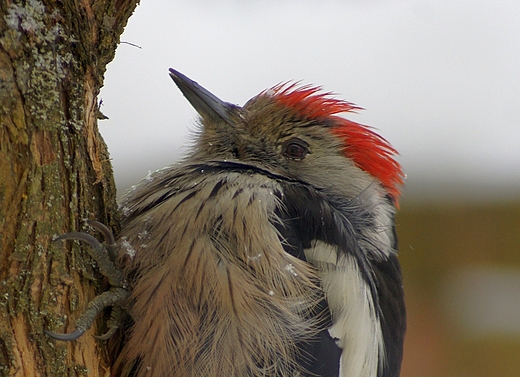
439, 79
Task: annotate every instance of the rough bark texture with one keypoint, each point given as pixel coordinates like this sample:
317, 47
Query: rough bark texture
54, 173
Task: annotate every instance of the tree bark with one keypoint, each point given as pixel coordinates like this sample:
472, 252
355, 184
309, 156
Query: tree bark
54, 173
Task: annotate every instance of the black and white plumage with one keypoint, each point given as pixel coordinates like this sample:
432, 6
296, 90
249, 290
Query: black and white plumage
270, 250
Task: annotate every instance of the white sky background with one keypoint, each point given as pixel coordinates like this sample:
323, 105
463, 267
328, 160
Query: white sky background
439, 79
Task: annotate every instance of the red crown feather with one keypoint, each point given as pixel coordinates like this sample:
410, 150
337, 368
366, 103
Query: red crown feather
367, 149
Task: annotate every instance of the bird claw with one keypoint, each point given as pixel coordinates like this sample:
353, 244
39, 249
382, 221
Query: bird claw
107, 233
112, 297
65, 337
68, 337
106, 335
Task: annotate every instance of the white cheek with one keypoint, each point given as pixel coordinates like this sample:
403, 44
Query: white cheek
381, 234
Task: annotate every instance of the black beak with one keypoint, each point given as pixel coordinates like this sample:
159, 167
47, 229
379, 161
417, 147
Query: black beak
207, 104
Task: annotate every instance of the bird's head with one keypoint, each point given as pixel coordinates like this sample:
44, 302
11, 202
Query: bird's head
295, 131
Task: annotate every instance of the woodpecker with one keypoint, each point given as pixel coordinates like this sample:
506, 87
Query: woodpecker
270, 250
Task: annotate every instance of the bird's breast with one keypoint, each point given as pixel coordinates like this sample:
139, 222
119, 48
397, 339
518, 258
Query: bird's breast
214, 291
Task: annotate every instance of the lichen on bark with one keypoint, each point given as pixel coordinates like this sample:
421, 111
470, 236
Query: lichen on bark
55, 173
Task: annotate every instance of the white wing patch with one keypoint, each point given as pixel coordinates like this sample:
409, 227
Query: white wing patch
355, 323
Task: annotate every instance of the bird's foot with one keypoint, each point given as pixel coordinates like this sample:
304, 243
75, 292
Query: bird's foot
114, 297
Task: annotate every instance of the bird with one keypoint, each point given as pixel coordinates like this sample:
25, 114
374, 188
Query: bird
269, 250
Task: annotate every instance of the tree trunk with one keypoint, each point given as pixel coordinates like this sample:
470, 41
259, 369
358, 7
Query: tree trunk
54, 173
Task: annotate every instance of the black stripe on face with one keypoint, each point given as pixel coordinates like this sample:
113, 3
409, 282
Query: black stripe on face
309, 214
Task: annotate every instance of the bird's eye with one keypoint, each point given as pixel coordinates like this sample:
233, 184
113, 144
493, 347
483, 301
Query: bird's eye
295, 148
